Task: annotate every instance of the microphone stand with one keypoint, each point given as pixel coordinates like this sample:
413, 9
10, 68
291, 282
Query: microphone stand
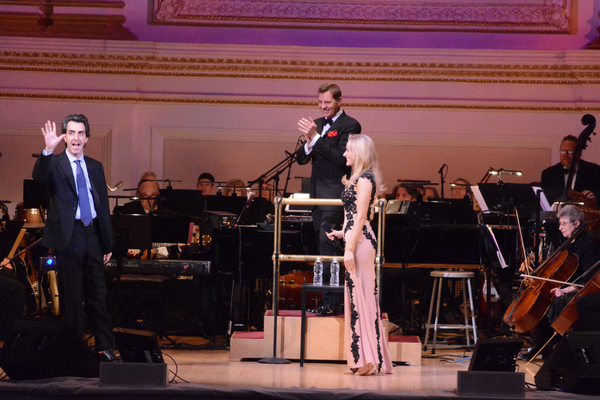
273, 173
442, 176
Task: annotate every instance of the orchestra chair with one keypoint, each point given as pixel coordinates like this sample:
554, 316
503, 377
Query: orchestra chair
436, 294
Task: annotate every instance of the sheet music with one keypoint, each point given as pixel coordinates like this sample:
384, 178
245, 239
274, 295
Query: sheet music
544, 204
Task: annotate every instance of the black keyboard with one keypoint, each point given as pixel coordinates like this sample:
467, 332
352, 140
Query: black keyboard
161, 267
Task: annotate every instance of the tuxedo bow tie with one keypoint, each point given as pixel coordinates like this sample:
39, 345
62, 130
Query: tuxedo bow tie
566, 171
327, 121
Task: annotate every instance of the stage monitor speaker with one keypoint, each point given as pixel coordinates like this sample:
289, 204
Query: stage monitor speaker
491, 371
138, 346
41, 348
132, 374
494, 384
495, 355
573, 366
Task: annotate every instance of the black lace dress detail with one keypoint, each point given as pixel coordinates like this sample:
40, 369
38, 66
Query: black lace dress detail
353, 318
349, 200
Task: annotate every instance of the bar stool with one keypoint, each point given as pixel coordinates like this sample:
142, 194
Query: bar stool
438, 280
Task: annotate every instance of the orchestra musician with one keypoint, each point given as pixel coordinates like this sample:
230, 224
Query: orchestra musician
585, 178
325, 144
148, 193
402, 192
587, 250
206, 183
461, 188
78, 228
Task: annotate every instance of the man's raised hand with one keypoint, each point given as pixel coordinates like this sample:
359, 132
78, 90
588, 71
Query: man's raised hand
49, 132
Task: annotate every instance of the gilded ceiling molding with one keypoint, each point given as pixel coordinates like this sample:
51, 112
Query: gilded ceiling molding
271, 103
563, 74
519, 16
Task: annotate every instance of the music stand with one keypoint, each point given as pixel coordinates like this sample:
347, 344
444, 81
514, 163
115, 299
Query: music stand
166, 228
35, 194
504, 197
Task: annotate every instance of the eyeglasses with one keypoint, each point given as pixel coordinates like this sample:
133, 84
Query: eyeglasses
569, 152
564, 223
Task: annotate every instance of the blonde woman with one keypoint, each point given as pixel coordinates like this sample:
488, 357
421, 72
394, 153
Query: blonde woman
365, 338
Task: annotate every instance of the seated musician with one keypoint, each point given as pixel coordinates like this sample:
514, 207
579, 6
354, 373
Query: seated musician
431, 193
206, 183
587, 250
461, 189
402, 192
235, 187
12, 298
148, 193
585, 178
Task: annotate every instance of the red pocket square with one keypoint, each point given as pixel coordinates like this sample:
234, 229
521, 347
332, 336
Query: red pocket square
332, 134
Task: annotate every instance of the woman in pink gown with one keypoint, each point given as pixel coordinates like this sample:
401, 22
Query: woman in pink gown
365, 338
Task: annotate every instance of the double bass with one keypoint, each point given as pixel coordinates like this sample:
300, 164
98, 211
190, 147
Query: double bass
568, 194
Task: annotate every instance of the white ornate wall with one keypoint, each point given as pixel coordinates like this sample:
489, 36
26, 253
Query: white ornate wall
181, 109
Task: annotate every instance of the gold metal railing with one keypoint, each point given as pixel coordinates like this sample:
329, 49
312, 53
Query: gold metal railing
278, 257
280, 202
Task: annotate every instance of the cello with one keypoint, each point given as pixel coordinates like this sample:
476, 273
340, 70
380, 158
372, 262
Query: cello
532, 302
568, 316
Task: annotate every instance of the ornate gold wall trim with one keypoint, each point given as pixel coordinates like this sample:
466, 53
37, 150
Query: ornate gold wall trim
142, 99
557, 73
521, 16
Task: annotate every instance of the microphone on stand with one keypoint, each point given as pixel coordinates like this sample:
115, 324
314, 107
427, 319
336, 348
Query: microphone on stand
442, 169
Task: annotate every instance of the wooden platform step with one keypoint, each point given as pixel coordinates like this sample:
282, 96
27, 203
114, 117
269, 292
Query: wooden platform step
324, 340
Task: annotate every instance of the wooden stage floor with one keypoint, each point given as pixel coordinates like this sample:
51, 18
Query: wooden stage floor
208, 373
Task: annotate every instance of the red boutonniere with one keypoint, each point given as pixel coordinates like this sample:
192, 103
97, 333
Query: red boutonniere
332, 134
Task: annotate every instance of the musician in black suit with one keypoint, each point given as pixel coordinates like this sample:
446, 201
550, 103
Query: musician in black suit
586, 179
325, 145
78, 228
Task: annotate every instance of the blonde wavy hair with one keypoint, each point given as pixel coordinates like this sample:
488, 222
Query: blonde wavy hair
366, 159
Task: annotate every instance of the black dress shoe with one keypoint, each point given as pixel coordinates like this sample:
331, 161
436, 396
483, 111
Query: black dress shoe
106, 356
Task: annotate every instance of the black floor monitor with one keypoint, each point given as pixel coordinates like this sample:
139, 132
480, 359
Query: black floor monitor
138, 346
496, 355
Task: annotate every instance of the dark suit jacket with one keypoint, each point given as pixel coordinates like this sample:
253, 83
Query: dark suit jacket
588, 178
55, 170
327, 157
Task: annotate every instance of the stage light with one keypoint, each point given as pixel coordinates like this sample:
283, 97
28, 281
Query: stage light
48, 263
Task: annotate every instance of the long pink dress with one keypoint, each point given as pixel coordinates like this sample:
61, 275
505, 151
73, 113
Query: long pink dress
365, 338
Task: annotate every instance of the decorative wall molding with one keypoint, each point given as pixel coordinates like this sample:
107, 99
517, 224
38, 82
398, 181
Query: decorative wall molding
556, 70
405, 105
514, 16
